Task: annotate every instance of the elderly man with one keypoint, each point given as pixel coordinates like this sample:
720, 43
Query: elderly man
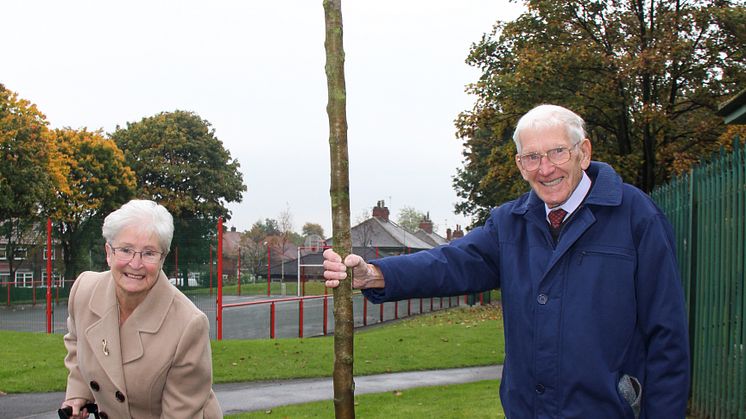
595, 323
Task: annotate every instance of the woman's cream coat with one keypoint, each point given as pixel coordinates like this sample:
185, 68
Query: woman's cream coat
157, 365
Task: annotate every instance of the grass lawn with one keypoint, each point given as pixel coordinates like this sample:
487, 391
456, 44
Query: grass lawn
452, 338
472, 400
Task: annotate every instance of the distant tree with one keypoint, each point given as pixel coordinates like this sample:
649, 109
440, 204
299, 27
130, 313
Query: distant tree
99, 181
647, 76
410, 218
180, 163
312, 228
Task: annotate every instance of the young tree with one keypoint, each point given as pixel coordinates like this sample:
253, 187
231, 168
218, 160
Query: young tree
646, 75
344, 386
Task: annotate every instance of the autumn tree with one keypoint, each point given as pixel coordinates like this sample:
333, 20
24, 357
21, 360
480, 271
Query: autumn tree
31, 170
646, 75
99, 181
179, 162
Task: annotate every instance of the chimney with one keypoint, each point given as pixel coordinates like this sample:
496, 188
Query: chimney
380, 211
426, 225
449, 237
233, 229
458, 233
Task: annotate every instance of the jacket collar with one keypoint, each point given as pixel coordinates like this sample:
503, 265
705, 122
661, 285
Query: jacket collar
606, 190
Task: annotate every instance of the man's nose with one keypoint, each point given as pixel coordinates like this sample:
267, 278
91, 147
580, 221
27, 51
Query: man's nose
546, 166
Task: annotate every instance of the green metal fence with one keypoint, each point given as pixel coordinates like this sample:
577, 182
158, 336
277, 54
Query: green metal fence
707, 208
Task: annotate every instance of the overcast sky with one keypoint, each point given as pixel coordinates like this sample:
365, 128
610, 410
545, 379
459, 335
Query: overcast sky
255, 71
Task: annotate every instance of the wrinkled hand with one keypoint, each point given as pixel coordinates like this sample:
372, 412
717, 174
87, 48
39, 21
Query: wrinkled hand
364, 275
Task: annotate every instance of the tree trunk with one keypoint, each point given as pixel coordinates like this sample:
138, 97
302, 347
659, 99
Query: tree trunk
344, 386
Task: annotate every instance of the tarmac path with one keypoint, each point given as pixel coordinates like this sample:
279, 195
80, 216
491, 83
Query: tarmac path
264, 395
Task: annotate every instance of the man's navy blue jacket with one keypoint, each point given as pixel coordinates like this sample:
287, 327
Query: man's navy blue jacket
604, 302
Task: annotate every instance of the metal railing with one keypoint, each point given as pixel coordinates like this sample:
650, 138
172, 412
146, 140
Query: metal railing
707, 209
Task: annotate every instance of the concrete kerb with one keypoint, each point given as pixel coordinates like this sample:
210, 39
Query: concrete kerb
265, 395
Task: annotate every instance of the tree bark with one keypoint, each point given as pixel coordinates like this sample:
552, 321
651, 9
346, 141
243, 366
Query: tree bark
344, 385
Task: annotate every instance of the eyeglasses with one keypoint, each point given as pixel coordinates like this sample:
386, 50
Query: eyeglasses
560, 155
126, 254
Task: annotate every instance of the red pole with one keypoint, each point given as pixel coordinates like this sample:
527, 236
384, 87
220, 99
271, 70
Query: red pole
481, 298
269, 267
219, 311
365, 311
239, 271
272, 320
326, 309
49, 275
300, 318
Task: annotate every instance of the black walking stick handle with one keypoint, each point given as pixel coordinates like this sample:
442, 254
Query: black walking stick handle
67, 411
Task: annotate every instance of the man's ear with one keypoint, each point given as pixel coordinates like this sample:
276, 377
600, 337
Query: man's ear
520, 168
585, 153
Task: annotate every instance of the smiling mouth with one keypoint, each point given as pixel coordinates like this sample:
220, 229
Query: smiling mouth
554, 182
134, 276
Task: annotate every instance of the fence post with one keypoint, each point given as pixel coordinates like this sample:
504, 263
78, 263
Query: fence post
219, 311
365, 311
49, 275
300, 318
326, 309
272, 320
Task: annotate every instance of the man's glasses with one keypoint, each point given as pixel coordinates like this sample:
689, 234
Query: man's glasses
126, 254
560, 155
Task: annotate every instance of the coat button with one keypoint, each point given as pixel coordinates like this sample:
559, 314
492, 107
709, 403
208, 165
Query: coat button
542, 299
119, 396
94, 386
540, 388
103, 415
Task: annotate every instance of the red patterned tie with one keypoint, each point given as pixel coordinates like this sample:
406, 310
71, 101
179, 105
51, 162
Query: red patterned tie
556, 217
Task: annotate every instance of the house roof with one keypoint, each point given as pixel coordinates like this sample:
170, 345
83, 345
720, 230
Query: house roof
734, 110
378, 232
431, 238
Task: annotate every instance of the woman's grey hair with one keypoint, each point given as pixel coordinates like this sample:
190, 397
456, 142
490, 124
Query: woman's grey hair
549, 116
148, 216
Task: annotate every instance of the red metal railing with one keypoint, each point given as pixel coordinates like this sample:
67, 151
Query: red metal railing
273, 303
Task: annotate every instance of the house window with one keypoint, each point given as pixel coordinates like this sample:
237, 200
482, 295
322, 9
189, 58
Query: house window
24, 279
57, 281
4, 278
53, 253
3, 254
20, 253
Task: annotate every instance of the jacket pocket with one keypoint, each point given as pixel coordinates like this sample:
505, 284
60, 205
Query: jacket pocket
630, 389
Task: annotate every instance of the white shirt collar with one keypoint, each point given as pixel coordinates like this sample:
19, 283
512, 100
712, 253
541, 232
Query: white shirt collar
576, 197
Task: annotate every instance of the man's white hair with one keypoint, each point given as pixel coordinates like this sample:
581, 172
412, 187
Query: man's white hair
549, 116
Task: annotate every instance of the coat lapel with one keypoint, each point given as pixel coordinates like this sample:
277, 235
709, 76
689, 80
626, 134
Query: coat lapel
103, 334
147, 318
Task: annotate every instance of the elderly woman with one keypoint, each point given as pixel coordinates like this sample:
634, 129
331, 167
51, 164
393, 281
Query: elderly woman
136, 346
